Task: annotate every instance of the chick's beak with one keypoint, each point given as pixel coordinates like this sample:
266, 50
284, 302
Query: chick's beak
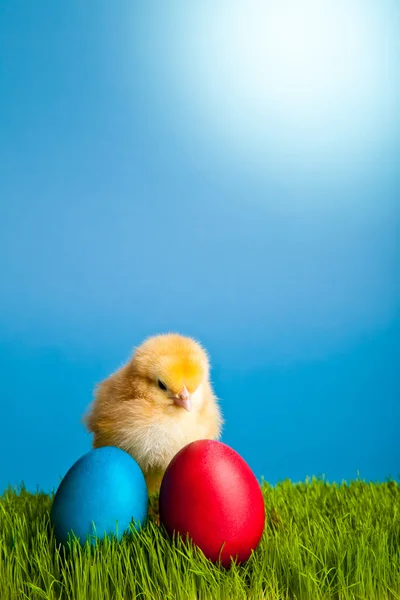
183, 399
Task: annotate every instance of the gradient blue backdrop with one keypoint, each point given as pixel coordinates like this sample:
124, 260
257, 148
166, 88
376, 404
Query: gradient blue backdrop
117, 222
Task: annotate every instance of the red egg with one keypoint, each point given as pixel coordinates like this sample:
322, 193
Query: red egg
209, 492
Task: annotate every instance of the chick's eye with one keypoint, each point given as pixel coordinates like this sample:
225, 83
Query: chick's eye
161, 385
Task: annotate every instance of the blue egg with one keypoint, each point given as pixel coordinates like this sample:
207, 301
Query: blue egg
101, 494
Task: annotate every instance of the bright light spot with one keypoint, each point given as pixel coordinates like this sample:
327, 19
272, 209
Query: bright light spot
303, 80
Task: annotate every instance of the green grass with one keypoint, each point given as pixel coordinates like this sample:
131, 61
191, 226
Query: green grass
320, 541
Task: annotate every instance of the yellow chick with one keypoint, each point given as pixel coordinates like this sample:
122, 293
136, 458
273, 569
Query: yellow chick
157, 403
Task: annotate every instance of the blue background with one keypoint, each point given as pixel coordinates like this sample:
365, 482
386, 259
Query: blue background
118, 221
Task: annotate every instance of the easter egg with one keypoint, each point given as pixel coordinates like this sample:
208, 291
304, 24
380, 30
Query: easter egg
101, 493
210, 493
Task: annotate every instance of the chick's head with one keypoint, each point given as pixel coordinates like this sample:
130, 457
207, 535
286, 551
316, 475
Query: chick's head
172, 368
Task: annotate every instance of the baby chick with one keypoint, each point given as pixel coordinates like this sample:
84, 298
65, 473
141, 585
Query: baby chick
157, 403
